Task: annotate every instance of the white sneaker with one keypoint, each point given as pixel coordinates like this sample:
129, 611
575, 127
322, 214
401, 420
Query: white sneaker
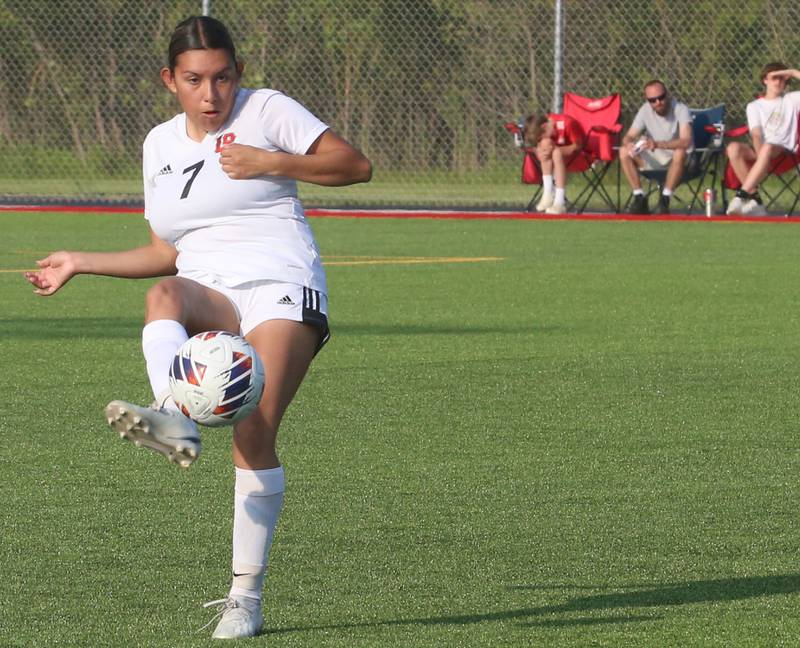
545, 201
753, 208
735, 207
556, 208
238, 617
163, 430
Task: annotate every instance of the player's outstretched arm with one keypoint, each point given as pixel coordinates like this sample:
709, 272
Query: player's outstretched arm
330, 161
154, 260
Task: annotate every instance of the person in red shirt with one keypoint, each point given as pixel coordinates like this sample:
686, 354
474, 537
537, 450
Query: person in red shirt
556, 139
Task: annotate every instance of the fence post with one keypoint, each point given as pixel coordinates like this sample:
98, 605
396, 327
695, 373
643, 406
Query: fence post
206, 7
557, 56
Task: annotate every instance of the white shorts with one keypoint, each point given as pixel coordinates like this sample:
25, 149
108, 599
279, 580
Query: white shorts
263, 300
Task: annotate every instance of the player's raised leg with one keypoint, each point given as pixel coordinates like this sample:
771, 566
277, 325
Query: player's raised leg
174, 307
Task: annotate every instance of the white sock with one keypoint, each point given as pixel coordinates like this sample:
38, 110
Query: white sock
638, 192
547, 184
666, 192
560, 197
258, 500
160, 340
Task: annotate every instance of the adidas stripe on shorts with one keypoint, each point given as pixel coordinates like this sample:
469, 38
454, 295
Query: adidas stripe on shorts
259, 301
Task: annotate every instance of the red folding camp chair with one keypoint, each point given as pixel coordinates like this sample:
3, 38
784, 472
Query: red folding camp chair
600, 121
785, 169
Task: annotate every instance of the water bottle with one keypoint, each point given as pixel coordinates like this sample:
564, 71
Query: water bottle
518, 140
719, 132
708, 200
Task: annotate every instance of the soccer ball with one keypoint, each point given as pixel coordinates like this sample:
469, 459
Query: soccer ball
216, 378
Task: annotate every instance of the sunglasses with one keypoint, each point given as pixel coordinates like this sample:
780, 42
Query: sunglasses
660, 97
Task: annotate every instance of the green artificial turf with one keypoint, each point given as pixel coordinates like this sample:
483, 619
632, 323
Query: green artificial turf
590, 440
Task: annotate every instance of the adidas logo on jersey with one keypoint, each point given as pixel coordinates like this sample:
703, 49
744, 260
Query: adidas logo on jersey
286, 301
165, 171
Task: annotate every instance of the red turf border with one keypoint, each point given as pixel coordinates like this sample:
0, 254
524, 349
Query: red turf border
434, 214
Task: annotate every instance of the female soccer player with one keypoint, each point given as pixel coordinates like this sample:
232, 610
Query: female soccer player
221, 202
556, 138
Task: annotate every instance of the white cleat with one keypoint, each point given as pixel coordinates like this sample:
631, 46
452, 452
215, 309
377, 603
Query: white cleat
239, 617
545, 201
735, 207
753, 208
556, 208
163, 430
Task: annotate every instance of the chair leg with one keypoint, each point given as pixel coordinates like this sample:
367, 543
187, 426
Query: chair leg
697, 191
532, 204
696, 187
594, 185
723, 193
796, 196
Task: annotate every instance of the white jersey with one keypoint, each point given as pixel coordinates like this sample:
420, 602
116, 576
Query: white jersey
777, 119
238, 230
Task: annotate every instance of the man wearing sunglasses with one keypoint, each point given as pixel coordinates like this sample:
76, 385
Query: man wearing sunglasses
659, 138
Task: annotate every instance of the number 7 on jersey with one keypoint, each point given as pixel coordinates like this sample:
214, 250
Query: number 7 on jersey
196, 169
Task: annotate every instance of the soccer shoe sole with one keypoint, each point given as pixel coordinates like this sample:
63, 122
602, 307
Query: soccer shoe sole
556, 208
753, 211
238, 630
227, 634
134, 427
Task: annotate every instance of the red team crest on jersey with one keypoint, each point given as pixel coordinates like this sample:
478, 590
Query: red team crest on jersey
224, 140
561, 129
567, 129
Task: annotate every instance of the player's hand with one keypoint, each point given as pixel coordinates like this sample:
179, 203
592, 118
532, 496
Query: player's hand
545, 147
626, 150
242, 162
633, 149
54, 271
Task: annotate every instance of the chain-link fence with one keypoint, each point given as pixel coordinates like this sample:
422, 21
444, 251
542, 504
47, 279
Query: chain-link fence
423, 87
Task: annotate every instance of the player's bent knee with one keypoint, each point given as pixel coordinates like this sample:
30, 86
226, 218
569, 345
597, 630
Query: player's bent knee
772, 150
255, 436
734, 150
164, 300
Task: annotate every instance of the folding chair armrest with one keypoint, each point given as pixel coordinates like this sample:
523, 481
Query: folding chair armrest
616, 128
604, 141
516, 130
738, 131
